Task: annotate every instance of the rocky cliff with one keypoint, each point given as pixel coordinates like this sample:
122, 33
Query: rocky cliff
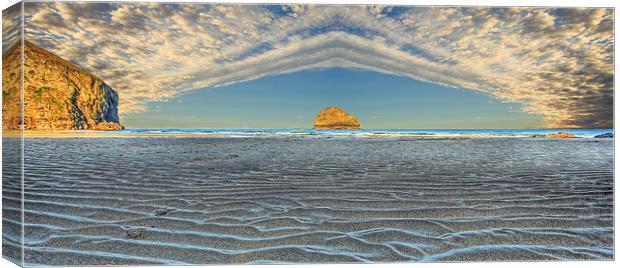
605, 135
335, 118
554, 135
58, 95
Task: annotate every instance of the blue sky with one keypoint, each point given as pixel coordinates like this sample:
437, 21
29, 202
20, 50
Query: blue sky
553, 66
293, 100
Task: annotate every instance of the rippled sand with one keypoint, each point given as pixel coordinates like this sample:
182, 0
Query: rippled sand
135, 200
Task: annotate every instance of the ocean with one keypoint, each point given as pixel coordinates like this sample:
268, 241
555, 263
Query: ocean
586, 133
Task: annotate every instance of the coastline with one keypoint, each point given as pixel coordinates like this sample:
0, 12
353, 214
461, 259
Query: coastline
370, 134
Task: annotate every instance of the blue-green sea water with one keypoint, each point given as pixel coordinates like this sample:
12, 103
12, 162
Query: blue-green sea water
585, 133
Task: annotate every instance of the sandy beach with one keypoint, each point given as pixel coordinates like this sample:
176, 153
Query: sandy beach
198, 200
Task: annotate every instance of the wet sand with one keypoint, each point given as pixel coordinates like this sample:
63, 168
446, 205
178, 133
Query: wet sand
198, 200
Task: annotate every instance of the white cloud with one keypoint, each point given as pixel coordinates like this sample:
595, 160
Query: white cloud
11, 26
556, 61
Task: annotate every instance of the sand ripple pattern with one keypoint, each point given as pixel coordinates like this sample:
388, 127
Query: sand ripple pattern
162, 200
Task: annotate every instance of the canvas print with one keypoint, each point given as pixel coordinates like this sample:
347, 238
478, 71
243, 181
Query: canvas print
206, 133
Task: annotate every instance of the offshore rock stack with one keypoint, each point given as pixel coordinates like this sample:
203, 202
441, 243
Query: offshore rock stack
335, 118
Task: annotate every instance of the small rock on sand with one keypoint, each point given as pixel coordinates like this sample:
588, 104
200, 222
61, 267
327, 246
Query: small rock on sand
136, 233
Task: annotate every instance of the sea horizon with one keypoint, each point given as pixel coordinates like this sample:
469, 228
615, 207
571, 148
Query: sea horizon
579, 132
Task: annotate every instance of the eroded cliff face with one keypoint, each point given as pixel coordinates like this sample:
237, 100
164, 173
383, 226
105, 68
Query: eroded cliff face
57, 94
554, 135
335, 118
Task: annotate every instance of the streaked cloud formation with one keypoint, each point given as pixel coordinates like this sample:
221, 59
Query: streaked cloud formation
559, 62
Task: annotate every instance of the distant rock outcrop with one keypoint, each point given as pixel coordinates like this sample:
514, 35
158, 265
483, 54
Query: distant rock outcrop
335, 118
606, 135
58, 95
555, 135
